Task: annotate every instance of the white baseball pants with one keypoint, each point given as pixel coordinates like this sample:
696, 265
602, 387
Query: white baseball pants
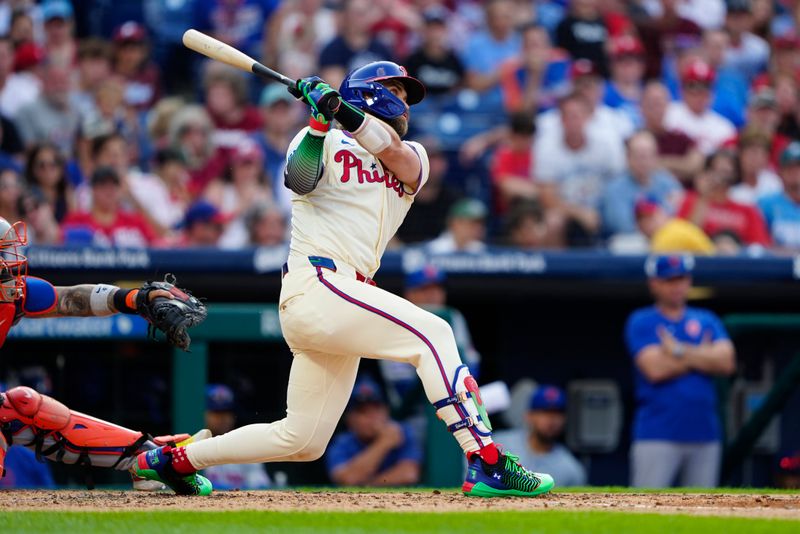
330, 320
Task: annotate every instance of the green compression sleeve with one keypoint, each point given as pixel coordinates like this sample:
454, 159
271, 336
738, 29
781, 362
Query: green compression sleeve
304, 168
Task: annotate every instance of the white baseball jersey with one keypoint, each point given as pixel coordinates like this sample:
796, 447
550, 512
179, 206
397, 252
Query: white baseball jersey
357, 206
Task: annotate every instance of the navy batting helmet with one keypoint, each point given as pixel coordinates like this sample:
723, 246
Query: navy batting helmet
362, 88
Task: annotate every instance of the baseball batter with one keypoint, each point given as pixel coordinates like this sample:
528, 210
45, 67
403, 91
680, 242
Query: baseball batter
41, 423
352, 188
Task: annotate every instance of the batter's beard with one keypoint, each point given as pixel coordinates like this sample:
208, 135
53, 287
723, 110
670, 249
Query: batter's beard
399, 125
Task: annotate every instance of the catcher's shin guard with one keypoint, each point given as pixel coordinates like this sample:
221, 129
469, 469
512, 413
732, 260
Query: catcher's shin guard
53, 431
464, 413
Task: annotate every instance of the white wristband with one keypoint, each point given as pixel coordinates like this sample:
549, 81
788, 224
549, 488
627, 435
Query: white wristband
373, 136
98, 302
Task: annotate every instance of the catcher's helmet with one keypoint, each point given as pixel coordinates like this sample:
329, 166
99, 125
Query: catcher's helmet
361, 88
13, 264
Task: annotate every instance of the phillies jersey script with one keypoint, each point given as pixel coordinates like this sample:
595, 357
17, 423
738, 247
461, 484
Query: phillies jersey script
357, 206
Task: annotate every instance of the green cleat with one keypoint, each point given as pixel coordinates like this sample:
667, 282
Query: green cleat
156, 465
506, 478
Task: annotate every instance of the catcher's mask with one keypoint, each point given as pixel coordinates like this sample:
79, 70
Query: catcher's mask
13, 264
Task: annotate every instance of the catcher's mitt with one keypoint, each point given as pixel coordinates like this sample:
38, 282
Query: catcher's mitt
171, 316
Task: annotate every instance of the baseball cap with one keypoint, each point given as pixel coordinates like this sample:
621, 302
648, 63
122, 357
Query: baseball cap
366, 391
666, 267
28, 55
202, 211
219, 398
738, 6
548, 397
764, 97
789, 462
787, 41
56, 9
428, 275
247, 150
104, 175
698, 71
468, 208
435, 15
791, 154
130, 32
583, 67
626, 46
273, 94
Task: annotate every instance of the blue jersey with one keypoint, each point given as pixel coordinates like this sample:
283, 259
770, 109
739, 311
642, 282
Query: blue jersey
346, 446
23, 470
683, 409
782, 216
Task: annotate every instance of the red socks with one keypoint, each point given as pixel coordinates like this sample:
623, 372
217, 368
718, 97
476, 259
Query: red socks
489, 453
181, 463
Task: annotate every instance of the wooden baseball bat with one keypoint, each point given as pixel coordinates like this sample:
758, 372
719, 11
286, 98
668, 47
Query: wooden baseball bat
214, 49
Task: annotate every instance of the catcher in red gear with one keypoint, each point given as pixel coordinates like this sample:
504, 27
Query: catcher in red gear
41, 423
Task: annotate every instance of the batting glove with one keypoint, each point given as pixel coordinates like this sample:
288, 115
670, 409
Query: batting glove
321, 97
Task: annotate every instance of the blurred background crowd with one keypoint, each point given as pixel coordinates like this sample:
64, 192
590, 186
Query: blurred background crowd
671, 125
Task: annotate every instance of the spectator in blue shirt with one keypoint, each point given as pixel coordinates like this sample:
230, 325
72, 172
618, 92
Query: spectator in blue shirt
487, 50
625, 88
676, 351
782, 210
375, 450
643, 177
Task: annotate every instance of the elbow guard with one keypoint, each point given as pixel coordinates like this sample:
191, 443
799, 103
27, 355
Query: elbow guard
373, 136
304, 168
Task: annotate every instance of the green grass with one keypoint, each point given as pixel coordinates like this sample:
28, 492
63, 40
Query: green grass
557, 522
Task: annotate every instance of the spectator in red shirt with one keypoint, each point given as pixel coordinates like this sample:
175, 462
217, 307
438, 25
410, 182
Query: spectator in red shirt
676, 151
710, 207
131, 62
105, 224
233, 116
660, 33
512, 167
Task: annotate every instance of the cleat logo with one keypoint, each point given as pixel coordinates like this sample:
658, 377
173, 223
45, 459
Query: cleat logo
473, 473
496, 475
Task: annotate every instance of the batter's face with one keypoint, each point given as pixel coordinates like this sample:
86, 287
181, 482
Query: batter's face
398, 124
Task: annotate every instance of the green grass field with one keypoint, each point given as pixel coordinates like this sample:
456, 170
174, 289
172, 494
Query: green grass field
176, 516
560, 522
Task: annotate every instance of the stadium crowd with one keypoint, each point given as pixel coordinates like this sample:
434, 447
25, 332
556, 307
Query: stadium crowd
670, 125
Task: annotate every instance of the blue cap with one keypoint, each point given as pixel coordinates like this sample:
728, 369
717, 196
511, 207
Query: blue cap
426, 276
56, 9
366, 391
547, 397
202, 211
219, 398
665, 267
